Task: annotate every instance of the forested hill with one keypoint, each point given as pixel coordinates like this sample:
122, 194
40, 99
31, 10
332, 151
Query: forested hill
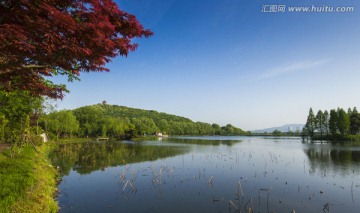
124, 122
127, 112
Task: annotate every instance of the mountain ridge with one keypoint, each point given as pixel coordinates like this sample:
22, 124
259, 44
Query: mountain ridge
283, 128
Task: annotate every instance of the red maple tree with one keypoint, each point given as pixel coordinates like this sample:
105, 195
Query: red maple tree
43, 38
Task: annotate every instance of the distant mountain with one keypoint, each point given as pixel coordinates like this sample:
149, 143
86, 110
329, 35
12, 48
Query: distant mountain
284, 128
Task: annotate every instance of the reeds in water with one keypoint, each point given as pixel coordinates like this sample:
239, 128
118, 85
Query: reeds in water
128, 182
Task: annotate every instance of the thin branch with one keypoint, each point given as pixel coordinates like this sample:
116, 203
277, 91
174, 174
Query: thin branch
32, 66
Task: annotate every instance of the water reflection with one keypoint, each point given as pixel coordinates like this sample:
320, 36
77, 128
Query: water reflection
202, 140
87, 157
338, 159
220, 175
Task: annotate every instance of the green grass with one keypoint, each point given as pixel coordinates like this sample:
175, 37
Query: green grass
28, 181
346, 139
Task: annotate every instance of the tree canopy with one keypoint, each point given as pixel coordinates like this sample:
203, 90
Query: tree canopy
124, 122
40, 39
334, 125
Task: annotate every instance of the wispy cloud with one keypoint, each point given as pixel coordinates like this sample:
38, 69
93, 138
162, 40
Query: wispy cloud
292, 67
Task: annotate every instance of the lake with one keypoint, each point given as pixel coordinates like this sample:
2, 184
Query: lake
209, 174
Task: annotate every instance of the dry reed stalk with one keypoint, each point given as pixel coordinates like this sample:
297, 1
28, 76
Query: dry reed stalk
352, 192
267, 202
240, 189
232, 204
125, 185
210, 181
132, 186
251, 208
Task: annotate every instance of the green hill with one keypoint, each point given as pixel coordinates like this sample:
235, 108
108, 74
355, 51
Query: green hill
123, 111
124, 122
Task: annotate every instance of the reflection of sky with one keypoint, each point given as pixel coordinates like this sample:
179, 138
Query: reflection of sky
278, 171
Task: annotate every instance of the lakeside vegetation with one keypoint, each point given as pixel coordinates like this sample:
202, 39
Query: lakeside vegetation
338, 125
28, 181
24, 117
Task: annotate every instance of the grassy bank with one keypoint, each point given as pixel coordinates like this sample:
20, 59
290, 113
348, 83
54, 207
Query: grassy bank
28, 181
355, 139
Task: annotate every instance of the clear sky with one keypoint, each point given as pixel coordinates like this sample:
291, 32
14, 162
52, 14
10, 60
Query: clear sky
244, 62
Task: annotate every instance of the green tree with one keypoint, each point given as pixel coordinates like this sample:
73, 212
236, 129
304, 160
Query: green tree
119, 128
204, 128
354, 122
112, 120
89, 118
71, 123
343, 122
62, 123
15, 108
311, 123
107, 126
144, 126
163, 126
320, 123
333, 127
304, 133
216, 129
276, 132
190, 128
175, 128
53, 125
326, 122
228, 129
150, 125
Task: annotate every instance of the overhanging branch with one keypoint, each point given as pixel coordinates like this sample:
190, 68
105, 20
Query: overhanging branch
30, 66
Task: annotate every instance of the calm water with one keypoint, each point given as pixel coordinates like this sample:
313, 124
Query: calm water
209, 174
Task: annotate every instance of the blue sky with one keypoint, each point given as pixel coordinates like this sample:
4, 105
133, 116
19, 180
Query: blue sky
228, 62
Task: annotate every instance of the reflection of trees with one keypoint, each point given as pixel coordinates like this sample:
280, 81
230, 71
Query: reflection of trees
202, 141
344, 157
342, 160
87, 157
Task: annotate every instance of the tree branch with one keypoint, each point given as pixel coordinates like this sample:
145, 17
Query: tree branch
32, 66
